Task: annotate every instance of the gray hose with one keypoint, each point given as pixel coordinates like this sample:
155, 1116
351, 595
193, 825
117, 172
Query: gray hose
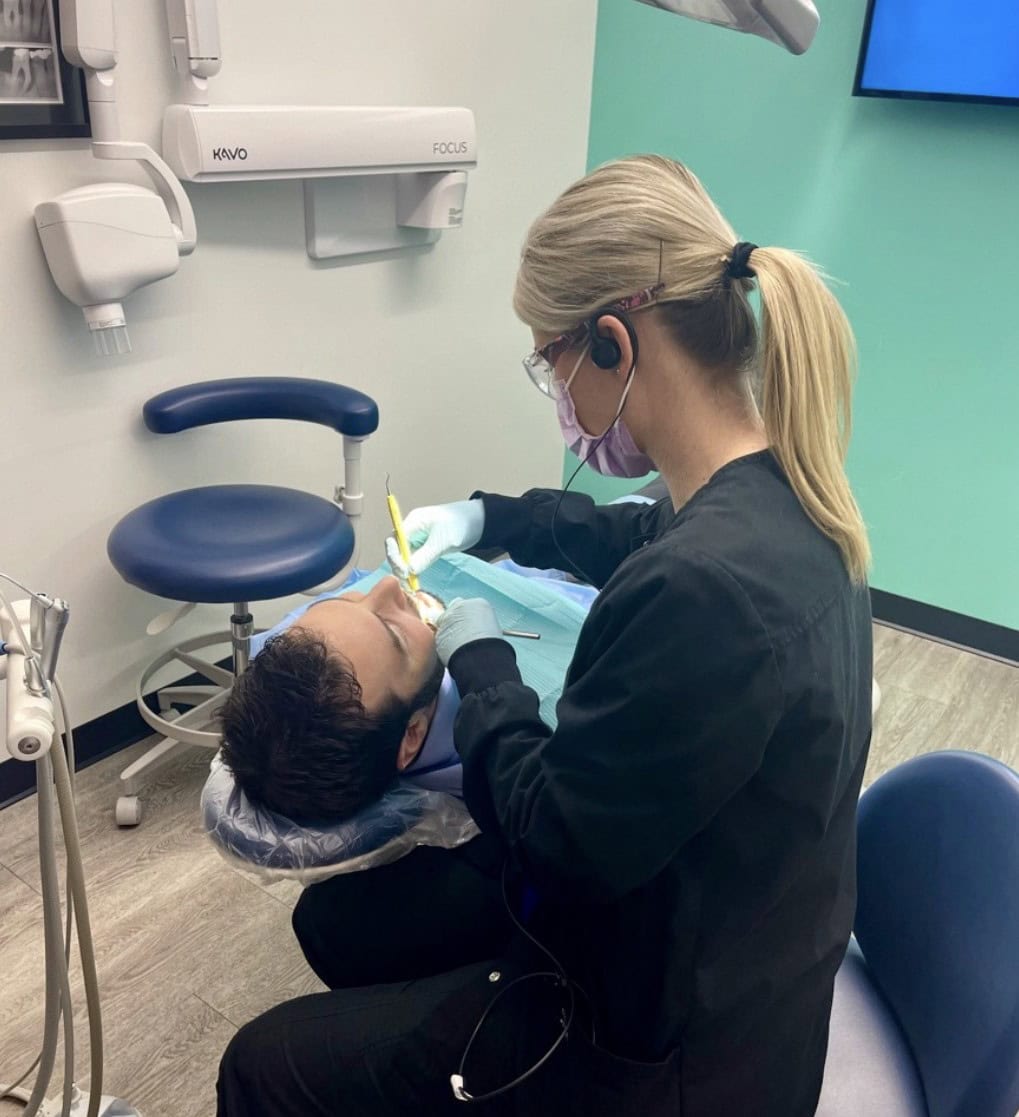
67, 1010
65, 983
76, 879
54, 946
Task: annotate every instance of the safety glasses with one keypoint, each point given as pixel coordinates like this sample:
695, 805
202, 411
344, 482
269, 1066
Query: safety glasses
540, 364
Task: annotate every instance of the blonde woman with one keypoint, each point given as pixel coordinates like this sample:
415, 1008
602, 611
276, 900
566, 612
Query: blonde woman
681, 849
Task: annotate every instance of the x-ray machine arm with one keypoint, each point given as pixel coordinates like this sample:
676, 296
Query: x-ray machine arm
89, 40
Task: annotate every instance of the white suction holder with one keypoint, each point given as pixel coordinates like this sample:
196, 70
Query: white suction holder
30, 727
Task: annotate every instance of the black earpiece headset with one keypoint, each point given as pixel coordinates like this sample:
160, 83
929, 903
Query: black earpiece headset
605, 352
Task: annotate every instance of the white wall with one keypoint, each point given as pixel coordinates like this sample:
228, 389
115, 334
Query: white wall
432, 338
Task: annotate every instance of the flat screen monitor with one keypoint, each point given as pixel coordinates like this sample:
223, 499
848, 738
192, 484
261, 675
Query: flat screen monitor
952, 50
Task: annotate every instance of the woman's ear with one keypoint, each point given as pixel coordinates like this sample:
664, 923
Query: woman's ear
413, 739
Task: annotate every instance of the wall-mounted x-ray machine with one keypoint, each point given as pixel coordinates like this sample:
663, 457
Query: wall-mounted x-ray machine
376, 179
400, 173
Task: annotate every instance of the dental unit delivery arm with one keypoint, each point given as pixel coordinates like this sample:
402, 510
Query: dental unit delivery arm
31, 632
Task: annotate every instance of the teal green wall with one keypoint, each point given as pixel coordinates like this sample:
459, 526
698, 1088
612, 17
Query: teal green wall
914, 206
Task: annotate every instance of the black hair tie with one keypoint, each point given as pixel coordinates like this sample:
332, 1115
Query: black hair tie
738, 266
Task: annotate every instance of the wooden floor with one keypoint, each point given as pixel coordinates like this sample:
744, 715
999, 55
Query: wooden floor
189, 949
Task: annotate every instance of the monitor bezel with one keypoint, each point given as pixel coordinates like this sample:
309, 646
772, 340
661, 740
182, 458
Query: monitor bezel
859, 90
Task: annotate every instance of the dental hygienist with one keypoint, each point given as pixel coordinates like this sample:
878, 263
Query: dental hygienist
681, 848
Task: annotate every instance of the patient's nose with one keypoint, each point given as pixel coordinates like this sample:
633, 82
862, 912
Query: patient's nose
389, 592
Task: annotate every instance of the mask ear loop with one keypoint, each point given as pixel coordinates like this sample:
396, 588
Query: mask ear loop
576, 368
622, 402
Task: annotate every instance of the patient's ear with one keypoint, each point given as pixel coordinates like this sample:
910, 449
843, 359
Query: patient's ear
413, 739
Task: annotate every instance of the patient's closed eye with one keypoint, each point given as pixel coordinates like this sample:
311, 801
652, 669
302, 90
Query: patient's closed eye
397, 637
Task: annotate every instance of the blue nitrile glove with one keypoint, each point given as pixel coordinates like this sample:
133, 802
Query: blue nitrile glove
468, 619
435, 531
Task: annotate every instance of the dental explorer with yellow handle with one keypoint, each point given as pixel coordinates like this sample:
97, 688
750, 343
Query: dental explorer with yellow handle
401, 537
428, 606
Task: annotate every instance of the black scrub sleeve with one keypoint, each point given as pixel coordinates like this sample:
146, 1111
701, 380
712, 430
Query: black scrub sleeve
672, 695
590, 540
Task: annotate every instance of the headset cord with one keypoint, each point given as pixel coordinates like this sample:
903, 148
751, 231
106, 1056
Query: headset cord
580, 465
567, 1013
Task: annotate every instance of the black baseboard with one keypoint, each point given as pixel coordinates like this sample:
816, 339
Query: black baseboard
942, 624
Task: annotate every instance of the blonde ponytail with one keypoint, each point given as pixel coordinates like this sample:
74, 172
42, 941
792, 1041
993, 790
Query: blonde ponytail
808, 362
647, 221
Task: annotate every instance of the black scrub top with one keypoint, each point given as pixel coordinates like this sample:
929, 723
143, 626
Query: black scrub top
689, 827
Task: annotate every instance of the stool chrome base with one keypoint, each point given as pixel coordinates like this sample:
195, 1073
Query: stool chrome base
182, 728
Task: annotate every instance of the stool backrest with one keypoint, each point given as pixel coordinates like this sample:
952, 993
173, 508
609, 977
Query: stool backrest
262, 397
938, 923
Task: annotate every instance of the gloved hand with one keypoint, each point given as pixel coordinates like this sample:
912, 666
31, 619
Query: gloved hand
468, 619
435, 531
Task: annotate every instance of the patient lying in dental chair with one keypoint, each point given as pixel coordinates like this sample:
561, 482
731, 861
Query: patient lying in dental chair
335, 707
346, 700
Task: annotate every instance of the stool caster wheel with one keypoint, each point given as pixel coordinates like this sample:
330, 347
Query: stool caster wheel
128, 811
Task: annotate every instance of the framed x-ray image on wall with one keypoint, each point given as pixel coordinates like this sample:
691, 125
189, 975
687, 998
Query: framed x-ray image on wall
41, 94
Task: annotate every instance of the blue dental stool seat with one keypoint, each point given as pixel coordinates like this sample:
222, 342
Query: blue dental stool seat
926, 1015
234, 544
229, 543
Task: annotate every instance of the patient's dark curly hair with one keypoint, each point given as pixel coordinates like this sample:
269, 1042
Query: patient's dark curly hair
298, 738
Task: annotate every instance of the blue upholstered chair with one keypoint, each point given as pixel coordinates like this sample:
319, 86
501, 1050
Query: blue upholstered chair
234, 544
926, 1015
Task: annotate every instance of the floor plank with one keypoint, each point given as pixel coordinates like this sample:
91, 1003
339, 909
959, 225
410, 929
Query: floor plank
906, 725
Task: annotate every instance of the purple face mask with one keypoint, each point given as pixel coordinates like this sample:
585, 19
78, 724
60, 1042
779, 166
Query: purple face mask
614, 454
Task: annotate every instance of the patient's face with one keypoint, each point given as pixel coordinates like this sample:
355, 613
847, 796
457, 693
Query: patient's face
391, 650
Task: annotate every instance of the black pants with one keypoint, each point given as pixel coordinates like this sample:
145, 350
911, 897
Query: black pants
406, 931
431, 911
388, 1050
